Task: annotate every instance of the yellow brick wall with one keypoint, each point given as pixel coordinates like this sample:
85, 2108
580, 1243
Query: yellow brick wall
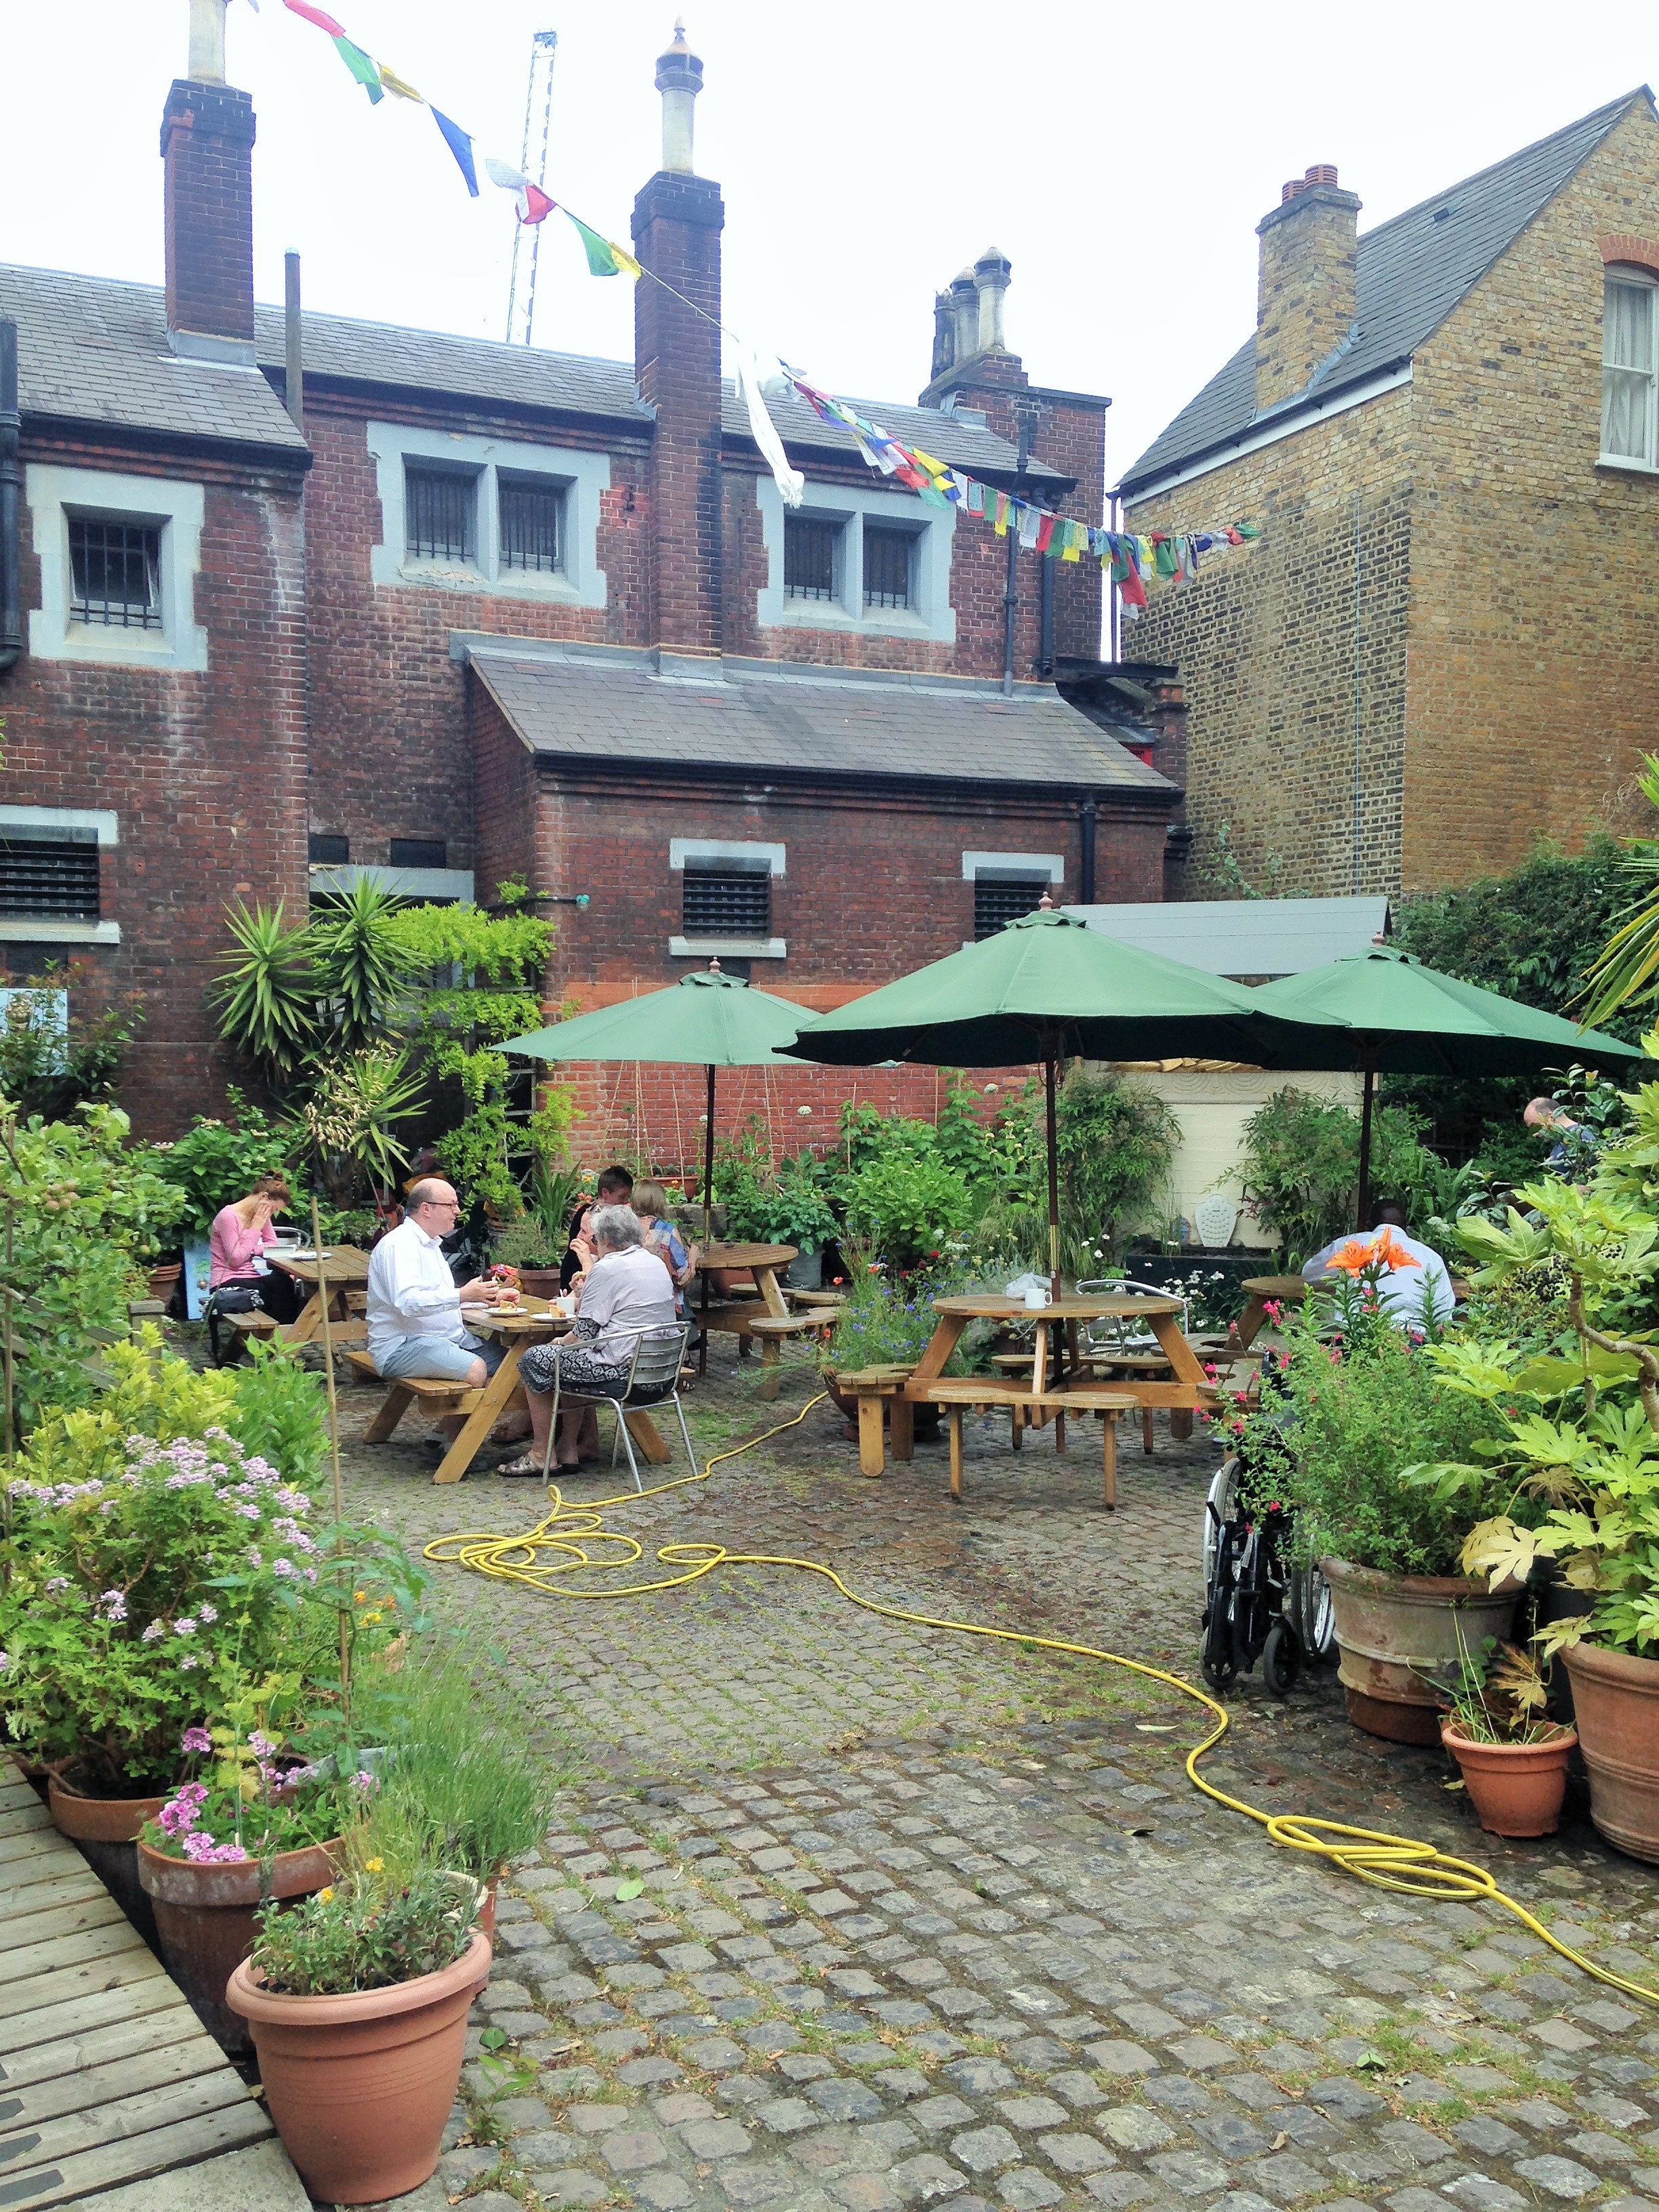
1506, 674
1267, 646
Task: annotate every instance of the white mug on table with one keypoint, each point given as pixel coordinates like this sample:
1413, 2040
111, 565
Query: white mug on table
1038, 1296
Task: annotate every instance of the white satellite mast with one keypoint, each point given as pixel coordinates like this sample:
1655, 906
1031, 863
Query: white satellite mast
519, 320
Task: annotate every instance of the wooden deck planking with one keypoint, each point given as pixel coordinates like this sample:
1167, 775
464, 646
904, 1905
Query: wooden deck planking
107, 2076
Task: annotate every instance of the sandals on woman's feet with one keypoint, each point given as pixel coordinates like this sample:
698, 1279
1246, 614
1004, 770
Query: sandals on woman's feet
527, 1463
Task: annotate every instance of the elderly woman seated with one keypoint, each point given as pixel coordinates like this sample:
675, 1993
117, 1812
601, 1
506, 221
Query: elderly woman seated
627, 1291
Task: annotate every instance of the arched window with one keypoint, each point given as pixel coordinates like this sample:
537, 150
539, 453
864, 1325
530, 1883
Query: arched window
1630, 334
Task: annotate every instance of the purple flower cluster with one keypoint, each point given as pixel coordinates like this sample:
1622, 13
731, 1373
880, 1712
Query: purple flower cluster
178, 1820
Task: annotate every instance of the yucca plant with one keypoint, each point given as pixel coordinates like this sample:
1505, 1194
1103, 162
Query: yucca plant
266, 997
349, 1119
362, 964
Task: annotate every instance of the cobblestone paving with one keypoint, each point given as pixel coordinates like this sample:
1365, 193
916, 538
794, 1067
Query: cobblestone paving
844, 1917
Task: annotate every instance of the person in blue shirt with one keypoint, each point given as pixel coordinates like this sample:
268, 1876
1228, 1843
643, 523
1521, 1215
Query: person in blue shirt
658, 1234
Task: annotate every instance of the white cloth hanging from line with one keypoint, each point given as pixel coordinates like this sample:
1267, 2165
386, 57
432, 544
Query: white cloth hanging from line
753, 374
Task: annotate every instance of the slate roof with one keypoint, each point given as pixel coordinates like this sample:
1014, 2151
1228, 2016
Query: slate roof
93, 351
1245, 936
786, 719
1412, 271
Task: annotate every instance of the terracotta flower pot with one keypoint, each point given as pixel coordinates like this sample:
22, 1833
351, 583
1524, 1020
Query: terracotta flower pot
107, 1830
1393, 1630
360, 2086
164, 1281
1516, 1789
540, 1282
204, 1921
1615, 1696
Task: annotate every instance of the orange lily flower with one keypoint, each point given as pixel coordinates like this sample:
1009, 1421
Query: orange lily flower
1384, 1249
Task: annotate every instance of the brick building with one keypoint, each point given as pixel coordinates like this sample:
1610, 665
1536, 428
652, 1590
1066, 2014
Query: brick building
492, 611
1441, 647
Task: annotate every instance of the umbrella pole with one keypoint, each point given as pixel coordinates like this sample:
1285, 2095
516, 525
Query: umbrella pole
1054, 1181
1363, 1223
708, 1233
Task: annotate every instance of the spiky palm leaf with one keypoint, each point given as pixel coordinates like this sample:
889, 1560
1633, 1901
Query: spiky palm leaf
361, 963
266, 997
1628, 968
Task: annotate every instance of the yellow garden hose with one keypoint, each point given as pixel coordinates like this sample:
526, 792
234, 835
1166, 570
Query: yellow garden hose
572, 1537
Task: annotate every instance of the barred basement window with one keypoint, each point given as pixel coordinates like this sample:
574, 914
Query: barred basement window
887, 556
439, 513
726, 904
418, 853
116, 570
531, 513
998, 903
49, 878
325, 850
809, 557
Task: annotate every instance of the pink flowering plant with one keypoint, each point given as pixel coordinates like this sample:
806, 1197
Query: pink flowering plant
246, 1798
137, 1596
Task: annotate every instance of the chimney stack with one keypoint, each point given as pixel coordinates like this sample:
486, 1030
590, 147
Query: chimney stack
207, 145
678, 219
1305, 294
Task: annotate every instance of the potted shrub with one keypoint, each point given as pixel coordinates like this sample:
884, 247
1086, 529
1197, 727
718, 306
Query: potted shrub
356, 1999
1579, 1432
1512, 1757
254, 1832
1367, 1406
786, 1208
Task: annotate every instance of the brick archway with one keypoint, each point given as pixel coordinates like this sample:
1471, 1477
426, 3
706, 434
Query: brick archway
1625, 245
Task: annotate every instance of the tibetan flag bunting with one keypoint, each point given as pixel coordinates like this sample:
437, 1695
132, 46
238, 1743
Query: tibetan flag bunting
315, 15
460, 145
362, 67
534, 204
392, 82
604, 258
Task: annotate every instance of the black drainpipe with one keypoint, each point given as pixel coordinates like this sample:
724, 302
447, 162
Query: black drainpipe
11, 496
1086, 871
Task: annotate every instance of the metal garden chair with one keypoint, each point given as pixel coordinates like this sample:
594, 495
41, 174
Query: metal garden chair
653, 1379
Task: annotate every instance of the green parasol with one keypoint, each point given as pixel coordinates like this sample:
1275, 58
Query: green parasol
1047, 987
1402, 1019
706, 1019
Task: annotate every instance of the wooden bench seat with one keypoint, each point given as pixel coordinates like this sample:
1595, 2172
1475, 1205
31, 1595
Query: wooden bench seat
973, 1393
437, 1397
772, 1329
251, 1324
880, 1392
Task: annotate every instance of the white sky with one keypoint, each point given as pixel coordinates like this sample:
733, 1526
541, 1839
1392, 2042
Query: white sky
1119, 156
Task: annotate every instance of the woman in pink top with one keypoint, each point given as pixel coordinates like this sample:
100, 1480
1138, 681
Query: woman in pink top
242, 1234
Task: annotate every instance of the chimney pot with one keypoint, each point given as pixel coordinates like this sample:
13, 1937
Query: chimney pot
992, 272
680, 80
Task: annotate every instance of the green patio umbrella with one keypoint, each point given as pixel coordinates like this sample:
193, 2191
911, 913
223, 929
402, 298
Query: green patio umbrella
1402, 1019
706, 1019
1047, 987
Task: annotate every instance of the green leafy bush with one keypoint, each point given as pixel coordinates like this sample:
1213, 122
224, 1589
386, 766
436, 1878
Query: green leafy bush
88, 1212
280, 1413
1114, 1140
785, 1207
1300, 1165
54, 1059
218, 1162
908, 1208
366, 1931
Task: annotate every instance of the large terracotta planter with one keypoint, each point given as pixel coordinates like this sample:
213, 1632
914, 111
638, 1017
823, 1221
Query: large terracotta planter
107, 1830
360, 2086
540, 1282
204, 1921
1393, 1630
1516, 1789
1616, 1698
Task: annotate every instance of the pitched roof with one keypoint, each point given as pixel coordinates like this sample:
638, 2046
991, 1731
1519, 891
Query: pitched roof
615, 708
1413, 270
93, 351
1245, 936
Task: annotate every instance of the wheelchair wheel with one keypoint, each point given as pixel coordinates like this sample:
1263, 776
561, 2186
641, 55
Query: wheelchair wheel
1281, 1658
1315, 1618
1224, 1498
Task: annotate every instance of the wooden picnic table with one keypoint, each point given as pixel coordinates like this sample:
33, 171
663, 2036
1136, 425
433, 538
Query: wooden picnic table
342, 1268
534, 1323
763, 1261
1260, 1292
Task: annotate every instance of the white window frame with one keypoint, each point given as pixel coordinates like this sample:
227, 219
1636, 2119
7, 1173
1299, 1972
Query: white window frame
931, 619
47, 824
582, 478
1635, 280
738, 854
175, 508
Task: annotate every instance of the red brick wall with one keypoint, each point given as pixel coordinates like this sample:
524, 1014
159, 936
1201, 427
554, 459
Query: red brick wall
206, 144
207, 772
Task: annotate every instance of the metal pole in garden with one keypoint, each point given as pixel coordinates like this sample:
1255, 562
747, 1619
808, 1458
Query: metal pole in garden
334, 1449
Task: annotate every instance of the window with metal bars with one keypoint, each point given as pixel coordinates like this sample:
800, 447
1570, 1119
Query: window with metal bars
809, 557
116, 570
531, 523
726, 903
441, 511
996, 903
887, 557
418, 853
49, 877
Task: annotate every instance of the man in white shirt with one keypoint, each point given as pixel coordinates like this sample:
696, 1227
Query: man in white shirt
1407, 1295
415, 1325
